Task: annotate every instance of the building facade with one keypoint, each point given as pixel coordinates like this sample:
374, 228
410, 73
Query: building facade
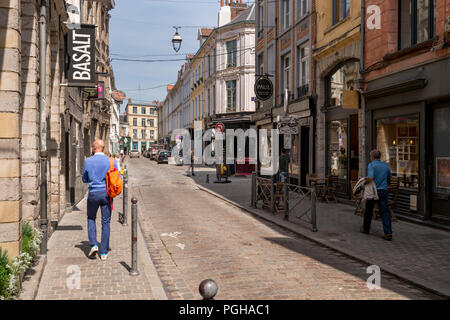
68, 135
407, 67
142, 124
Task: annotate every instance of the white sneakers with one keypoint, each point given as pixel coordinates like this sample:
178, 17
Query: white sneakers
93, 251
103, 256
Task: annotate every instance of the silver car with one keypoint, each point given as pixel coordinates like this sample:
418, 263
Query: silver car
134, 154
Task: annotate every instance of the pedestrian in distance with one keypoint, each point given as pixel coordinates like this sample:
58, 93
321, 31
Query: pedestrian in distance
191, 165
97, 172
380, 173
285, 165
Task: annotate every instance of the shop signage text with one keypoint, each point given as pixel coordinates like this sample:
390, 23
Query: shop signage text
81, 50
263, 88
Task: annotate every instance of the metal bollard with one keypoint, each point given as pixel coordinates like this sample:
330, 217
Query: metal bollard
125, 197
313, 210
272, 196
252, 201
134, 269
286, 201
207, 178
208, 289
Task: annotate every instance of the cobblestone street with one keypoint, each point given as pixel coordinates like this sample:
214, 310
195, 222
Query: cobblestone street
193, 235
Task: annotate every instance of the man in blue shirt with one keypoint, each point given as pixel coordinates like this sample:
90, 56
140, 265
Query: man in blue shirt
380, 173
94, 173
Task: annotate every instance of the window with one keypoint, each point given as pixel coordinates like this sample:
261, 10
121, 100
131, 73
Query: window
143, 110
135, 110
301, 7
303, 69
143, 134
260, 17
135, 133
341, 10
231, 53
152, 122
134, 121
398, 141
152, 111
152, 134
337, 145
143, 122
260, 64
231, 96
345, 78
416, 22
286, 67
285, 13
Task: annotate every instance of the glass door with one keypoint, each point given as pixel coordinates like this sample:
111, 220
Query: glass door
440, 195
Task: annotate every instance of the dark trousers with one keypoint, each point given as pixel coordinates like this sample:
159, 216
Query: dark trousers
95, 200
385, 215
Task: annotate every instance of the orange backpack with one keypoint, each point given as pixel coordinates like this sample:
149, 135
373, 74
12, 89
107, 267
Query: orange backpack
113, 181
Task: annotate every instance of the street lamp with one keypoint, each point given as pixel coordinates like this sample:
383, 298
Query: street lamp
176, 40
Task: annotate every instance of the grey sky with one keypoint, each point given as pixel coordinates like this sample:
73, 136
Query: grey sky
141, 28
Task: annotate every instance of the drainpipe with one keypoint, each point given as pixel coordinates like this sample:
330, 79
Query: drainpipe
43, 122
361, 89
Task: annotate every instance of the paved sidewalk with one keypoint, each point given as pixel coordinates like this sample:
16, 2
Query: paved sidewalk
99, 280
419, 254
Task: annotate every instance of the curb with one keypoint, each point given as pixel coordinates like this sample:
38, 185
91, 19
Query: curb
30, 287
348, 253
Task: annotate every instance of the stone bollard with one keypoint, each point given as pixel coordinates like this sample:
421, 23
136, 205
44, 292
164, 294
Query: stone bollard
208, 289
134, 269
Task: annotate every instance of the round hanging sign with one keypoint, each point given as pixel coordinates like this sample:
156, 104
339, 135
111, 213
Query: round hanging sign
263, 88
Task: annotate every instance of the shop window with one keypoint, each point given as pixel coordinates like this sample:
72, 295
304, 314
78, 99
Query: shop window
341, 10
441, 150
416, 21
337, 145
398, 141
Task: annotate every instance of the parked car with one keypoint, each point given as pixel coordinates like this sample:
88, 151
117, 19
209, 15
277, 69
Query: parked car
134, 154
154, 151
146, 153
163, 156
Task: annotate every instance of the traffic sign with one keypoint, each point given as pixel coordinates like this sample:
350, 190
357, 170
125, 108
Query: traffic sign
220, 127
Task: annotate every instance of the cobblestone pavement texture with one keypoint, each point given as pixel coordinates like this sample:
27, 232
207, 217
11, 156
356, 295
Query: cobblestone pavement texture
418, 253
99, 280
193, 236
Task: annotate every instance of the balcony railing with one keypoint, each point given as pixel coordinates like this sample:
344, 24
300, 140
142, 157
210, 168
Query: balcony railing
302, 91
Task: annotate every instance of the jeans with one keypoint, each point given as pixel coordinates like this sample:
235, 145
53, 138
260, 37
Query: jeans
283, 176
99, 199
385, 214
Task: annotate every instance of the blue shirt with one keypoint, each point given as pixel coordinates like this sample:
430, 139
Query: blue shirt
94, 171
380, 172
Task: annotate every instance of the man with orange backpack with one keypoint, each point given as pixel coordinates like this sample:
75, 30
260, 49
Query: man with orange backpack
105, 183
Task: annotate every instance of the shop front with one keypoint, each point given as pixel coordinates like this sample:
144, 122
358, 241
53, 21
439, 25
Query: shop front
408, 120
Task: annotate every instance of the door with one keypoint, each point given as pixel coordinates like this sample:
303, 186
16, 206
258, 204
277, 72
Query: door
440, 166
304, 154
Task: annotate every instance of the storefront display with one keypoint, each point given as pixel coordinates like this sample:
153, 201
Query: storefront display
398, 141
337, 145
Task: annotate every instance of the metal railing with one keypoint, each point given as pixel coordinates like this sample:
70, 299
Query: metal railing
296, 202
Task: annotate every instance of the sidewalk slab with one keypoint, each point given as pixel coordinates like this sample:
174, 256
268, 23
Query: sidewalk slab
98, 280
418, 254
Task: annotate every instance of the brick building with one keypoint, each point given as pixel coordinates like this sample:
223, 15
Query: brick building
407, 92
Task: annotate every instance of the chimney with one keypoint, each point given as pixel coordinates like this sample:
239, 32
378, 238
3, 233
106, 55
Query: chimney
236, 8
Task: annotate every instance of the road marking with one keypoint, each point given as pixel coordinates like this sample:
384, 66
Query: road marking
172, 234
180, 245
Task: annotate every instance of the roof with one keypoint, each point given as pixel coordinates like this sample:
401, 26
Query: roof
205, 32
247, 14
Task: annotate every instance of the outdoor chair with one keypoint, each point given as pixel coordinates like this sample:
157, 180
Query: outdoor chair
358, 199
393, 189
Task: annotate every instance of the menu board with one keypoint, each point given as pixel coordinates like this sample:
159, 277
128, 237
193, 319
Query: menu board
443, 172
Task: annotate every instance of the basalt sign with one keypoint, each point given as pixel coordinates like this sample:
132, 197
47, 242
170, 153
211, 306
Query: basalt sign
81, 52
263, 88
